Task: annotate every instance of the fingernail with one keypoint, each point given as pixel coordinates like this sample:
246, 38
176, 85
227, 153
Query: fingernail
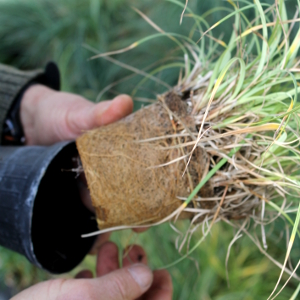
142, 275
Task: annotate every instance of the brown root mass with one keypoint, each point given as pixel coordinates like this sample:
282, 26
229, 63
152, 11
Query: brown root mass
131, 178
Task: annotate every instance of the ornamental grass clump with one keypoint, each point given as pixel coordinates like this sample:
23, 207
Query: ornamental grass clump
221, 145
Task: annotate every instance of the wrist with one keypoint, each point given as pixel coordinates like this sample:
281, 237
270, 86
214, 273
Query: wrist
29, 109
32, 96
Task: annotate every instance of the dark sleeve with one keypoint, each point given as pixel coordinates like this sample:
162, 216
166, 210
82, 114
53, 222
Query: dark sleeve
14, 82
41, 213
11, 83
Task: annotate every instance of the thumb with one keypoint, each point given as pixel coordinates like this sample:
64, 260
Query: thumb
116, 109
87, 115
123, 284
126, 283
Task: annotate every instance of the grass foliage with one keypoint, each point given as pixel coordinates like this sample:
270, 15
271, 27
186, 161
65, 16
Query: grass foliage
244, 97
33, 32
254, 75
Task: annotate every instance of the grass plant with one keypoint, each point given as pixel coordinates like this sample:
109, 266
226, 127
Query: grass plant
243, 89
243, 97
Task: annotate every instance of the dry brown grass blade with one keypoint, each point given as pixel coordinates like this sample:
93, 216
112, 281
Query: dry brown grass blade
185, 7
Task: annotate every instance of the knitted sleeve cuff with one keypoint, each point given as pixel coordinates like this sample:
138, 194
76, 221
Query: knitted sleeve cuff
14, 82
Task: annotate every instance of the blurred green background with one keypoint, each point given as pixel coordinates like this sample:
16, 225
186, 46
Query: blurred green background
33, 32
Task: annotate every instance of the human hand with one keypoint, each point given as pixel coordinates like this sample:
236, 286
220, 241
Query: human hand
134, 281
48, 116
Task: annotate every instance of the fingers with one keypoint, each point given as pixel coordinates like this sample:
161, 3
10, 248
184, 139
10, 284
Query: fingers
134, 254
126, 283
133, 281
161, 288
140, 230
107, 260
123, 284
84, 274
100, 240
84, 193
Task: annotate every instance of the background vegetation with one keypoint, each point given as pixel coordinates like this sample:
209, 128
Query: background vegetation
33, 32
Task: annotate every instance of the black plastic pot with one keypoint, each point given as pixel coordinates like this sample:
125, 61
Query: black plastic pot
41, 213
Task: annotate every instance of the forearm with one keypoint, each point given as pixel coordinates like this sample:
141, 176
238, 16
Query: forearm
31, 113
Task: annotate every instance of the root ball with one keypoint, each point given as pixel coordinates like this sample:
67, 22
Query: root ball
135, 167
